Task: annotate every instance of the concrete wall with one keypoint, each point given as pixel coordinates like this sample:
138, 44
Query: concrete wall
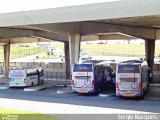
50, 67
61, 67
156, 73
52, 71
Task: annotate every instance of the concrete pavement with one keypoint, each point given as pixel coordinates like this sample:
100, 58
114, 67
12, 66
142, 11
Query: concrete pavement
57, 108
153, 93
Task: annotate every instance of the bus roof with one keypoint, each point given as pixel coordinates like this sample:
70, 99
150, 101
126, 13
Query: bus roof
132, 61
26, 67
92, 61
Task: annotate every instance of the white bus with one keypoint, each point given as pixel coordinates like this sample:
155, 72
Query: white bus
132, 78
25, 76
88, 77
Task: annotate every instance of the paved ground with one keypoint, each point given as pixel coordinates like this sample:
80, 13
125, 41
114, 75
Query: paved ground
50, 101
153, 92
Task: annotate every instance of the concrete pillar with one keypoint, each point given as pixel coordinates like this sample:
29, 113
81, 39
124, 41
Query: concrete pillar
67, 59
6, 59
150, 50
74, 48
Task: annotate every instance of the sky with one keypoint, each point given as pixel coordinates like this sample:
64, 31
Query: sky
24, 5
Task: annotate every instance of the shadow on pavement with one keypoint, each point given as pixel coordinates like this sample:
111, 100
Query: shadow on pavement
109, 100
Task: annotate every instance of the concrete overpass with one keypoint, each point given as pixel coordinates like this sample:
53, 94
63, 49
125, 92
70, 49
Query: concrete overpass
71, 25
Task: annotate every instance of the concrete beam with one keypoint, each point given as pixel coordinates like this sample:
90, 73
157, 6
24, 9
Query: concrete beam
90, 38
28, 40
52, 36
66, 28
67, 59
90, 28
98, 27
116, 36
16, 32
157, 34
6, 58
150, 50
23, 40
74, 48
108, 36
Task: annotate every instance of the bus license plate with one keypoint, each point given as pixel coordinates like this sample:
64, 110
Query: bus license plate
83, 91
128, 95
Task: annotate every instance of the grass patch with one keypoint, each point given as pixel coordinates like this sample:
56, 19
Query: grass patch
59, 46
118, 49
23, 115
115, 49
17, 51
137, 50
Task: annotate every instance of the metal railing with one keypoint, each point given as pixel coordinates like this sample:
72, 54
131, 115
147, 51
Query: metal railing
59, 78
25, 52
116, 53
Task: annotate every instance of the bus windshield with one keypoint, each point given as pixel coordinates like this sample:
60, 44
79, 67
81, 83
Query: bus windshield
17, 73
82, 67
128, 69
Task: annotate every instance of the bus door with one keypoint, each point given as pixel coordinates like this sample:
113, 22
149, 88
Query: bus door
129, 79
40, 73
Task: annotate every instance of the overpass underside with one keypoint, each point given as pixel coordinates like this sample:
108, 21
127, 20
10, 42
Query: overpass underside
74, 33
72, 45
71, 25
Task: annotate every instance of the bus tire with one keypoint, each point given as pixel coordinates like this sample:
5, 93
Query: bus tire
142, 94
101, 87
32, 84
97, 92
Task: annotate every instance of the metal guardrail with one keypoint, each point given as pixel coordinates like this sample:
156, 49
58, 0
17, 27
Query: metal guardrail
26, 52
59, 78
116, 53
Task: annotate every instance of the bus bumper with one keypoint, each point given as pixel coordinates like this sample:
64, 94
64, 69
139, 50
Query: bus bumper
16, 85
128, 94
83, 91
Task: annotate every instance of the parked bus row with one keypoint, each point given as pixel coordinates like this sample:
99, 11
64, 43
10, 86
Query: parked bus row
130, 78
26, 76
